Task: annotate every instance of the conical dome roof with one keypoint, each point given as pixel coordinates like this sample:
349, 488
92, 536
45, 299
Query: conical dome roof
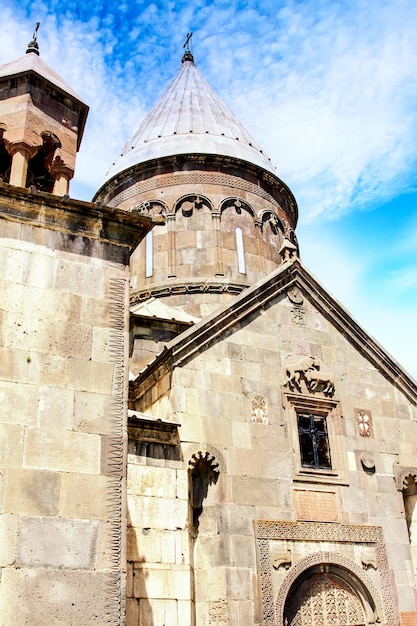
190, 118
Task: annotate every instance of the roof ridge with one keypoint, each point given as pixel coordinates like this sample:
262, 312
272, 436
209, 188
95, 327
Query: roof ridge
193, 340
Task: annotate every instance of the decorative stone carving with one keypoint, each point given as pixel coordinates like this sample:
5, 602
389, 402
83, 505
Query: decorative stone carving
300, 532
306, 370
295, 295
152, 207
320, 382
203, 178
324, 598
188, 204
281, 559
206, 287
402, 476
363, 422
297, 371
368, 560
238, 204
259, 411
298, 317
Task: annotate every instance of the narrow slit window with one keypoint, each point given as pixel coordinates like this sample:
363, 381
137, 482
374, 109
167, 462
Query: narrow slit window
148, 255
240, 251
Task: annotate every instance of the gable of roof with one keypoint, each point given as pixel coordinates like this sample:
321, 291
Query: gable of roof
210, 330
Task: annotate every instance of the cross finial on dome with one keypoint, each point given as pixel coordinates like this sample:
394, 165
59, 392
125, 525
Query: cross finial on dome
33, 45
187, 54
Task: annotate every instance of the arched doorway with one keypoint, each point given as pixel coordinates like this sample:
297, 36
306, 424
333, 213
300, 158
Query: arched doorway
327, 595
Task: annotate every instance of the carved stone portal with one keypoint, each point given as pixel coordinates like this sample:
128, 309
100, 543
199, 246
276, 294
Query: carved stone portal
339, 577
324, 599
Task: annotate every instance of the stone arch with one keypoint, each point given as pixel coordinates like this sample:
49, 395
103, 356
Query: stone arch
39, 166
192, 202
269, 218
152, 207
5, 157
339, 566
238, 204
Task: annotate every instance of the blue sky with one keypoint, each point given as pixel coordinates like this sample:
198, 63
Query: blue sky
328, 88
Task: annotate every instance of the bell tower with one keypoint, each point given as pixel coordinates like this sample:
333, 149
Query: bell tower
41, 124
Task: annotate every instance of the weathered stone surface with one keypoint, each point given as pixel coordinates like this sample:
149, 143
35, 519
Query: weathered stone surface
64, 451
85, 496
59, 543
19, 403
8, 539
11, 445
172, 583
32, 492
29, 596
55, 408
158, 513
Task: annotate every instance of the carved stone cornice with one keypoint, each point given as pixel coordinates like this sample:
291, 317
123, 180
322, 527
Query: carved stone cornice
85, 219
212, 169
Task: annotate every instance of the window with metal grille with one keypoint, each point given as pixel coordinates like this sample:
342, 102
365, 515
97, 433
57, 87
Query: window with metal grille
314, 441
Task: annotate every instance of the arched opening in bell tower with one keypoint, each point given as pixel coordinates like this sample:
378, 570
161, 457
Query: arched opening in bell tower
5, 159
38, 173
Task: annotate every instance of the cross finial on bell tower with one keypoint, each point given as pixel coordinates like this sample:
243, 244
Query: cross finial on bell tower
33, 45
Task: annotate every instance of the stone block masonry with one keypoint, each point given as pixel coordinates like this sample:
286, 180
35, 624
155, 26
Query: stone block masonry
63, 393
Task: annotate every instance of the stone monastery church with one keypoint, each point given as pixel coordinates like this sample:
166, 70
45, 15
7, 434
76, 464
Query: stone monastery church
193, 431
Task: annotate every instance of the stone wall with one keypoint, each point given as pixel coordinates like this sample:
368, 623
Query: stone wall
63, 325
232, 401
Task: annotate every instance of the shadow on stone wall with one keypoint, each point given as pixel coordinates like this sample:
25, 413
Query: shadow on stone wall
203, 473
138, 606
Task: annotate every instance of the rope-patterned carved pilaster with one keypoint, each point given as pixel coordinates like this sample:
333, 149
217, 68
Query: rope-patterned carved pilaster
115, 604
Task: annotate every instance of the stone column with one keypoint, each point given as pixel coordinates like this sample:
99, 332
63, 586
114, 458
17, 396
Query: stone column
259, 234
219, 251
61, 174
20, 152
170, 221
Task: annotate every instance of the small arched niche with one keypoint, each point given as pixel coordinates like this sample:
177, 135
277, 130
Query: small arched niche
327, 594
